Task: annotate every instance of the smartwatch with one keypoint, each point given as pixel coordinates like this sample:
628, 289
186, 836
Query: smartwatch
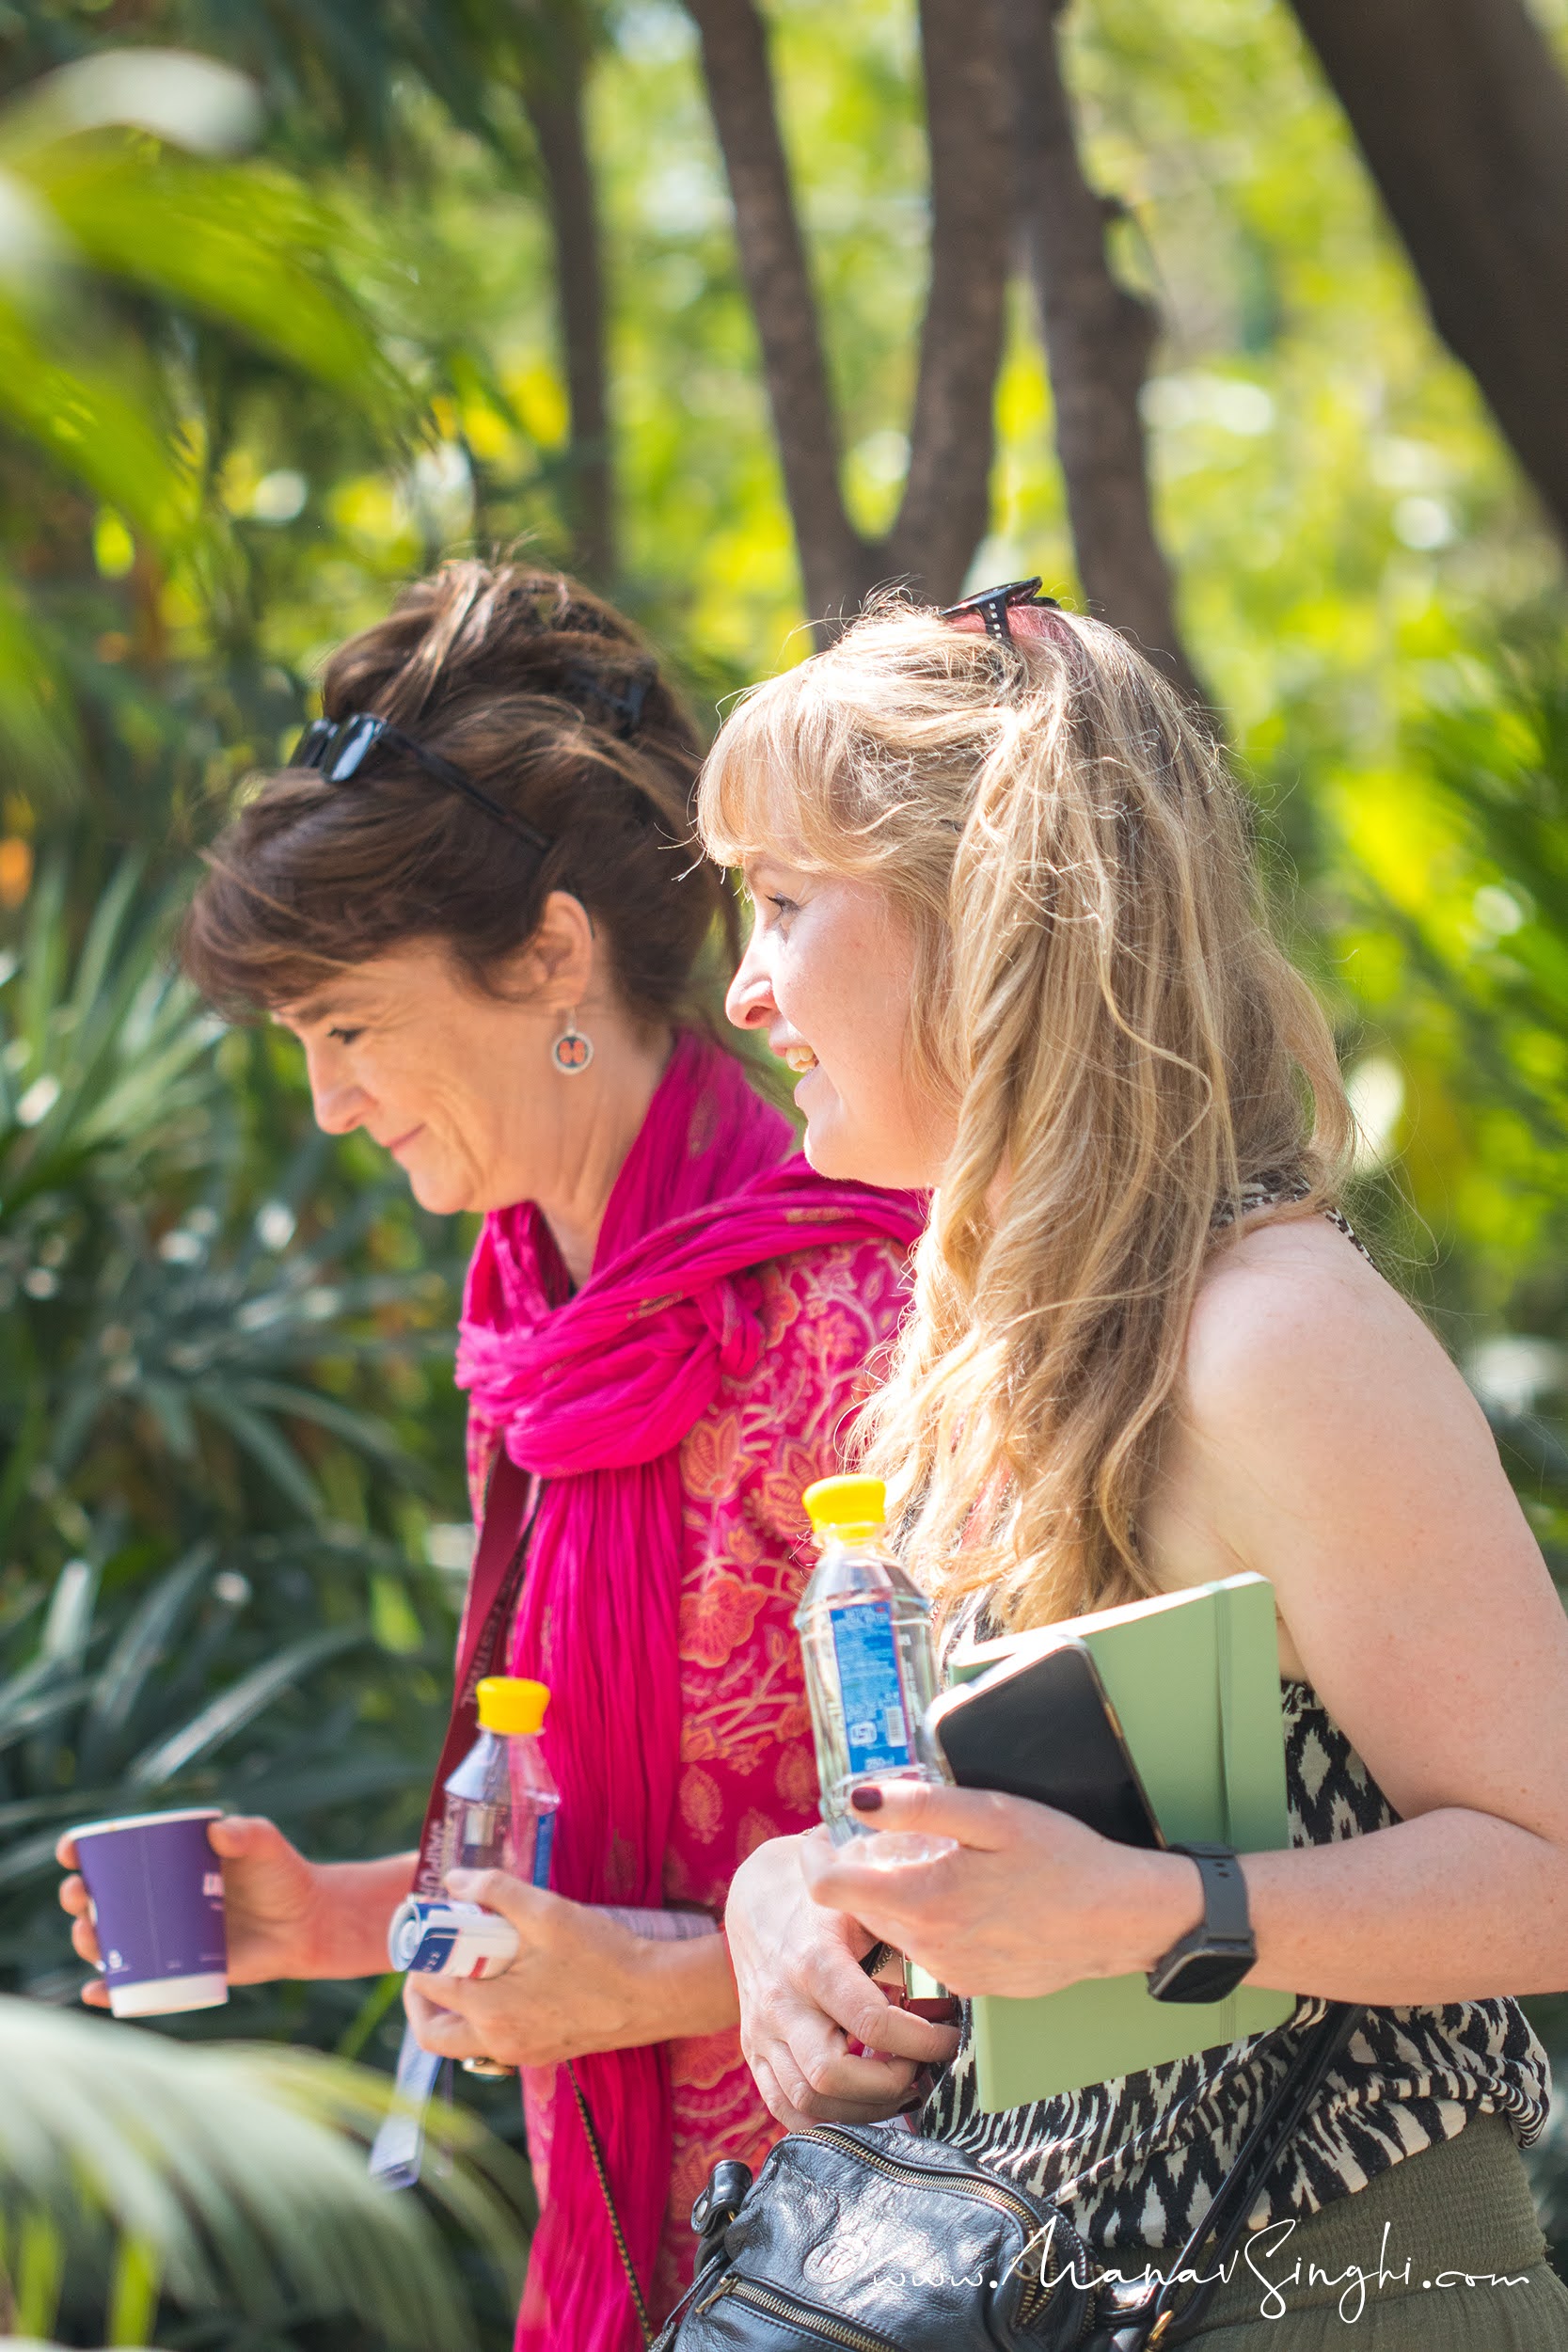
1211, 1959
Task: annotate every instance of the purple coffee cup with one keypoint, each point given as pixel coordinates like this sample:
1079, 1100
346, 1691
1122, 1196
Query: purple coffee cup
156, 1889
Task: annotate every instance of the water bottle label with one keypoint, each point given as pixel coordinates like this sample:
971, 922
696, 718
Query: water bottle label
870, 1687
543, 1841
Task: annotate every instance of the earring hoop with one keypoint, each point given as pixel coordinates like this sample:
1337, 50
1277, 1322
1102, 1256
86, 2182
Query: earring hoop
573, 1051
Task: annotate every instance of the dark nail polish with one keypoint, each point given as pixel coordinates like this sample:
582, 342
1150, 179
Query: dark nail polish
867, 1799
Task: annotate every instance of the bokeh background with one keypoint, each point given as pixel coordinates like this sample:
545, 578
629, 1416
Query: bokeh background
296, 300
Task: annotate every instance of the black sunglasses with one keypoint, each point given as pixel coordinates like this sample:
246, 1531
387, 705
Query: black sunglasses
338, 748
993, 607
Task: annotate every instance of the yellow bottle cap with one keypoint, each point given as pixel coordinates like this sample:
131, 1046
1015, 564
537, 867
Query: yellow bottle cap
845, 1507
507, 1702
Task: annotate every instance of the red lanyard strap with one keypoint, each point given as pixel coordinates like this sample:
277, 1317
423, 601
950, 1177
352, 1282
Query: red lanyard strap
499, 1559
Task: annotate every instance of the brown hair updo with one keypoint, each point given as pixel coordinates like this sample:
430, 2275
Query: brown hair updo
520, 679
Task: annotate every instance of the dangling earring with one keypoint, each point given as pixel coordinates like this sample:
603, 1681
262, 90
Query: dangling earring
573, 1050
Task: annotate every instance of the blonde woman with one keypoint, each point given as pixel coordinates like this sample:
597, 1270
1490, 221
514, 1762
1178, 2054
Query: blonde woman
1008, 932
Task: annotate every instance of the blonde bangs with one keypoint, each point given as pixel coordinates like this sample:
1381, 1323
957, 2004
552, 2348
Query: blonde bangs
774, 776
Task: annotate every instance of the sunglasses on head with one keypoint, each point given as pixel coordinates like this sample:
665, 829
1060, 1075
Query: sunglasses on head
337, 748
999, 610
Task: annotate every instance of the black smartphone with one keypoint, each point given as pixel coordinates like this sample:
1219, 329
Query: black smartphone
1043, 1727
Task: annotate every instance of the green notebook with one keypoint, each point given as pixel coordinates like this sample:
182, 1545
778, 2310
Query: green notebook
1195, 1678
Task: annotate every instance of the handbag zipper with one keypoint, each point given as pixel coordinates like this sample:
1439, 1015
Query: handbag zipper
1037, 2292
778, 2305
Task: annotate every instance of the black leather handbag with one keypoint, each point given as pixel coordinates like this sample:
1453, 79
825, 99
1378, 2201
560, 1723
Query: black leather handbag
869, 2238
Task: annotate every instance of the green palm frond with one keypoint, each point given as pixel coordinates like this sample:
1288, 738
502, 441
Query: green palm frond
100, 1057
99, 1690
236, 1706
236, 2178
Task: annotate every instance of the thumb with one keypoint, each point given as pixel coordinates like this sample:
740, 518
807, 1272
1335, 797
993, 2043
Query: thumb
237, 1835
497, 1890
974, 1816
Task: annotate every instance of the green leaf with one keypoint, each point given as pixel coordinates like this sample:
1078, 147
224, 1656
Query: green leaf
144, 1642
242, 245
82, 416
238, 1706
267, 1447
133, 2293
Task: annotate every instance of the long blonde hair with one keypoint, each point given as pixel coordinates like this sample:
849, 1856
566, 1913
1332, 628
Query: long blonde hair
1097, 999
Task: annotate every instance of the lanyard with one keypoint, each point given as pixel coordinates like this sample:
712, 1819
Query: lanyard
499, 1559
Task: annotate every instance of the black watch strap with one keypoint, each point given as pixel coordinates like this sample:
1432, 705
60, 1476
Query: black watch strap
1211, 1959
1224, 1903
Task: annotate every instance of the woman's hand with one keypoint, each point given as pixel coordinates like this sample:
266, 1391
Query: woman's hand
1031, 1901
580, 1982
283, 1916
804, 1996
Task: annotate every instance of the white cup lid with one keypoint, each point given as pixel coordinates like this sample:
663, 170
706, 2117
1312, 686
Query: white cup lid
144, 1821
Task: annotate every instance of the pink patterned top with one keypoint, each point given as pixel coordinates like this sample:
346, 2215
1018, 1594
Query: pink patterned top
747, 1769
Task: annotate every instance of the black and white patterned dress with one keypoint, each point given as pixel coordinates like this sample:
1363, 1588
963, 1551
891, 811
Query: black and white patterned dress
1136, 2160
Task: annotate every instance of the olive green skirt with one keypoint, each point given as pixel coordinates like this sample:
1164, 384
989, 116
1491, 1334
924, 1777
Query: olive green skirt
1440, 2253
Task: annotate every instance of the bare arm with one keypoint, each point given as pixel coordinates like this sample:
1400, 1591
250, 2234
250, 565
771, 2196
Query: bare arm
1416, 1601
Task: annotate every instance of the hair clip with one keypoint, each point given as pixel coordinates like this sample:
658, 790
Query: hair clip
993, 607
628, 705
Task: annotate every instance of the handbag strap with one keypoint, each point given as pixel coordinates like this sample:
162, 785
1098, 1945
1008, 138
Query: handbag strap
602, 2173
500, 1557
1225, 2221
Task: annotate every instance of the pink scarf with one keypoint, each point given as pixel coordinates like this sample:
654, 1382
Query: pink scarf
594, 1394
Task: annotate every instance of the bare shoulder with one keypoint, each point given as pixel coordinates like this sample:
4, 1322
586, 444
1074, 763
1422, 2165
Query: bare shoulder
1322, 1438
1293, 1318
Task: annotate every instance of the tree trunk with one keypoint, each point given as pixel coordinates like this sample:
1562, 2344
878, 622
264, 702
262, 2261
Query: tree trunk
553, 75
946, 502
1098, 337
943, 515
1461, 114
784, 305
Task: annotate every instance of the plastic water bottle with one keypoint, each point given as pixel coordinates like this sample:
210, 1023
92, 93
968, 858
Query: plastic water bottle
502, 1800
500, 1812
871, 1671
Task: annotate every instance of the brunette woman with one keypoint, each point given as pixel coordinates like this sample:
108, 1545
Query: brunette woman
1008, 921
474, 900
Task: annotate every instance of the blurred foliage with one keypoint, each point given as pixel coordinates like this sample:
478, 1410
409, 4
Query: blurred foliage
235, 2181
95, 187
227, 1394
225, 1344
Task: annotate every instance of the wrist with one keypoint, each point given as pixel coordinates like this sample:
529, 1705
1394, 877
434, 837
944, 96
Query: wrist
680, 1989
351, 1911
1170, 1905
